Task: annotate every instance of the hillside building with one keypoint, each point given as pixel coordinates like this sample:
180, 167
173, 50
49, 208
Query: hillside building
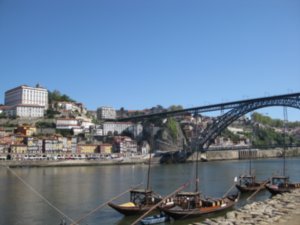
105, 113
25, 101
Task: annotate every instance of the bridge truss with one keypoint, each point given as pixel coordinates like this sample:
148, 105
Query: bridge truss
236, 110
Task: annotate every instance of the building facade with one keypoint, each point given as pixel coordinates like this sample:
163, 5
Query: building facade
66, 123
25, 95
25, 101
26, 111
117, 128
110, 128
105, 112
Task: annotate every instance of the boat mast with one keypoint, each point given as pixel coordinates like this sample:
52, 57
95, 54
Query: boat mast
285, 116
197, 149
251, 150
149, 161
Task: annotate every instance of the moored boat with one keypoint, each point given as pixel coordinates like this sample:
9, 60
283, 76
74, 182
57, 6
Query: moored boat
141, 200
161, 218
281, 184
249, 184
190, 205
185, 205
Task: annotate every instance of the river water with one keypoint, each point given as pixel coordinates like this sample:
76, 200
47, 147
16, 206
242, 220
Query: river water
78, 190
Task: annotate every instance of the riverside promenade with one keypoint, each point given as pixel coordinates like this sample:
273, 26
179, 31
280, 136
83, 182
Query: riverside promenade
70, 163
279, 210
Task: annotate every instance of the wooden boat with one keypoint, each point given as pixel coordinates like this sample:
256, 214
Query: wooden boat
190, 205
248, 184
161, 218
141, 200
281, 184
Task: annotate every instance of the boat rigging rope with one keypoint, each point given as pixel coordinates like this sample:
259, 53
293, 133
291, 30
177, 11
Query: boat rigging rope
104, 204
42, 197
157, 204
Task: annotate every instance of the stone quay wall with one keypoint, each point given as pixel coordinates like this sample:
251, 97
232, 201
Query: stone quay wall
212, 155
278, 210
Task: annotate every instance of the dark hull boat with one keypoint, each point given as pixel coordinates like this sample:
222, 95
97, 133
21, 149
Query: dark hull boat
190, 205
248, 184
280, 185
141, 201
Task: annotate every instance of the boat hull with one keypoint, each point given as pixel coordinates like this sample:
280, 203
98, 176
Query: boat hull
130, 211
250, 188
178, 213
274, 190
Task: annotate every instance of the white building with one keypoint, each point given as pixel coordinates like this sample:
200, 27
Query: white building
105, 112
25, 111
115, 127
25, 101
67, 124
25, 95
119, 127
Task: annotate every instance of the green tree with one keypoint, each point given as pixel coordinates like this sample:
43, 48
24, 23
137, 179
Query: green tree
175, 108
57, 96
172, 127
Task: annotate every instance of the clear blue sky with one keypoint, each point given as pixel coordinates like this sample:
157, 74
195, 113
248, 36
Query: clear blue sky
138, 54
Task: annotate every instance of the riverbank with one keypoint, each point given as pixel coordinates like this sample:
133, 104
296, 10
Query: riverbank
278, 210
217, 155
211, 155
68, 163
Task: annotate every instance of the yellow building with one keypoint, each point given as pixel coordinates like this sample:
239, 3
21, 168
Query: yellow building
18, 149
106, 148
88, 149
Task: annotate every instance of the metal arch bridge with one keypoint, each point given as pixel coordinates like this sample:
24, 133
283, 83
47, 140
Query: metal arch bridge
236, 110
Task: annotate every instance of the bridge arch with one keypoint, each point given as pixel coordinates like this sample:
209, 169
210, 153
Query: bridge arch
219, 125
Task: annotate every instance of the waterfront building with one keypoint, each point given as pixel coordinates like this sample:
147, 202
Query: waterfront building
34, 145
87, 149
52, 146
124, 145
105, 148
74, 145
106, 112
18, 149
4, 147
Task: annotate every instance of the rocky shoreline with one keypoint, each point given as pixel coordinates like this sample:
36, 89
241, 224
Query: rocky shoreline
278, 210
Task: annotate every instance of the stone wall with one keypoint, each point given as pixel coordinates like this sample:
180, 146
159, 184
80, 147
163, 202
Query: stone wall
245, 154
